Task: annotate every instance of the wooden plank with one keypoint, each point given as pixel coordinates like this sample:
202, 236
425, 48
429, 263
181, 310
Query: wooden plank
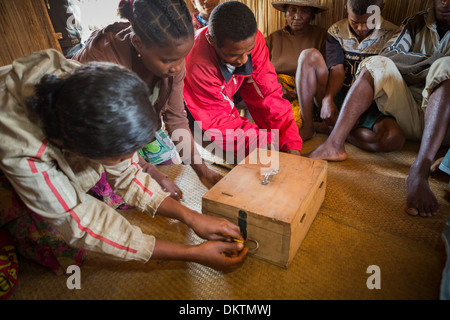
308, 213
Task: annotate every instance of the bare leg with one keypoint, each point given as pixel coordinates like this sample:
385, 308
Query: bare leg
311, 82
420, 199
322, 127
386, 136
359, 99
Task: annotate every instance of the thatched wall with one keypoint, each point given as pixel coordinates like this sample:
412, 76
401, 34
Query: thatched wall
270, 19
25, 27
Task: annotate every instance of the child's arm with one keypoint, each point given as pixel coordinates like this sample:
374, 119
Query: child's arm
218, 253
205, 226
215, 254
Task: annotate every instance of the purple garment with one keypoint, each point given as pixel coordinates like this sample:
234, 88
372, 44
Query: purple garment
104, 192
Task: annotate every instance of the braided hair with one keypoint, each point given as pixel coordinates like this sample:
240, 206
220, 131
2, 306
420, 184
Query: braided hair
158, 21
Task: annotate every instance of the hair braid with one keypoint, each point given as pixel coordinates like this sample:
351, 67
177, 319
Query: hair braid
159, 21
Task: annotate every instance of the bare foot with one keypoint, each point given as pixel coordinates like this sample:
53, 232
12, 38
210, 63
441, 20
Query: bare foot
420, 199
327, 151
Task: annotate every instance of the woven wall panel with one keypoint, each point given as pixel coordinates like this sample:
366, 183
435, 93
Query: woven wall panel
25, 27
270, 19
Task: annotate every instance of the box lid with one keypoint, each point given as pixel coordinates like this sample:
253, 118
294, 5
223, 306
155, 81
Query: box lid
280, 199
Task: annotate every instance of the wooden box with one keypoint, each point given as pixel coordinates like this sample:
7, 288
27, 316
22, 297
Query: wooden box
274, 198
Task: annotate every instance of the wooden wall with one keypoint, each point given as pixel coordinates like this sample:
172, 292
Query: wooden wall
25, 27
270, 19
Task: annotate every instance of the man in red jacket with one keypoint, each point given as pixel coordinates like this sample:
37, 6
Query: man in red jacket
230, 56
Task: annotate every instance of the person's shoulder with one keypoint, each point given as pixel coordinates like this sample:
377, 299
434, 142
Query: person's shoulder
338, 27
200, 39
389, 26
418, 17
418, 20
276, 33
260, 48
117, 26
44, 61
259, 36
201, 57
26, 71
117, 30
339, 30
110, 44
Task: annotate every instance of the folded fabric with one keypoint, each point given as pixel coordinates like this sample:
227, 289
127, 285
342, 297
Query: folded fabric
159, 151
33, 237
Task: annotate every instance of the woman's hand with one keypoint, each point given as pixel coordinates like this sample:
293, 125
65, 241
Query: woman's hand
166, 184
212, 228
221, 256
170, 186
206, 227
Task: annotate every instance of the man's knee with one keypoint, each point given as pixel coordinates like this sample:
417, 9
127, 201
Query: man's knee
311, 67
379, 67
441, 67
391, 136
365, 75
310, 57
438, 75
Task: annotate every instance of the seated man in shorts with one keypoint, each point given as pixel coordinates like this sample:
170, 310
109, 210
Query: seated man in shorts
322, 86
410, 82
